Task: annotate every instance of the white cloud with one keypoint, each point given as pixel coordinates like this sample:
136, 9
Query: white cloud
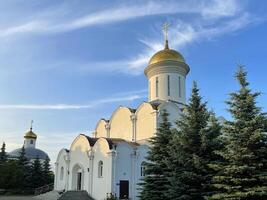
220, 8
213, 18
129, 96
206, 24
183, 34
50, 24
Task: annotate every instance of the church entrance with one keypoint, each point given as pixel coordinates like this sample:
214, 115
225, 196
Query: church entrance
77, 177
124, 189
79, 181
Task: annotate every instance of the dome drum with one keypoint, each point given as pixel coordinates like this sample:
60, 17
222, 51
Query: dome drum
167, 67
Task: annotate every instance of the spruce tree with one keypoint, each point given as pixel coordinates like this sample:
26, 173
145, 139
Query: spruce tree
3, 154
23, 170
3, 163
9, 177
155, 183
47, 174
191, 150
243, 174
36, 174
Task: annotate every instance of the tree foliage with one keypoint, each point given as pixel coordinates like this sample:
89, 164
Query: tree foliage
48, 176
23, 176
192, 149
3, 154
243, 174
156, 180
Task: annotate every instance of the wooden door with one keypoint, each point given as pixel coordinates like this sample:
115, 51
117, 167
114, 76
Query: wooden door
124, 189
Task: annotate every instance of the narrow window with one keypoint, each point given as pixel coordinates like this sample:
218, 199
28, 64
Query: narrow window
169, 90
31, 141
180, 86
143, 169
157, 86
61, 173
100, 169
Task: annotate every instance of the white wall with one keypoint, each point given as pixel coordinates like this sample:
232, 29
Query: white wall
142, 153
123, 164
61, 182
101, 129
27, 143
146, 121
121, 124
79, 156
173, 110
175, 94
102, 185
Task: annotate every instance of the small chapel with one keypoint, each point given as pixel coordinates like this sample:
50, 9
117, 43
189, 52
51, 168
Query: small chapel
111, 159
31, 152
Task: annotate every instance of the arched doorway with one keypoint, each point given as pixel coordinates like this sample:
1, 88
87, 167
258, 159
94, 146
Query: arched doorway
77, 177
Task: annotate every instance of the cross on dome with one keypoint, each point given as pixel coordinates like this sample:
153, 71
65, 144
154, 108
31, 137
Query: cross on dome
165, 28
31, 124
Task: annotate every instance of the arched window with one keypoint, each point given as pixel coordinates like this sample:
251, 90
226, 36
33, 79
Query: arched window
31, 141
100, 169
61, 173
143, 169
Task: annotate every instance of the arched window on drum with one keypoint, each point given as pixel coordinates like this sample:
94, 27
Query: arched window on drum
143, 169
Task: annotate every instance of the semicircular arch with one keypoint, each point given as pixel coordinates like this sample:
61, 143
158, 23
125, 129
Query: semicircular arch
121, 124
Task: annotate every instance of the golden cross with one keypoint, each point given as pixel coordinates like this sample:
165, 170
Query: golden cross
165, 30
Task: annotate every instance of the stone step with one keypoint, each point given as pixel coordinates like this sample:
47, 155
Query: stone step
52, 195
75, 195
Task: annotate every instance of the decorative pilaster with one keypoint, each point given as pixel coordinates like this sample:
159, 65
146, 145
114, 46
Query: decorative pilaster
134, 174
56, 176
157, 116
113, 155
133, 119
91, 157
107, 126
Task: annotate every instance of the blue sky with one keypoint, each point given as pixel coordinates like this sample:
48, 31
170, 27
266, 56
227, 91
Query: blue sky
66, 64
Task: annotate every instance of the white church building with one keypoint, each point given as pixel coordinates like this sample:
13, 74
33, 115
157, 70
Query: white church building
111, 161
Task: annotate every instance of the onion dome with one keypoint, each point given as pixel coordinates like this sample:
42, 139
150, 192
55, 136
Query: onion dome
166, 55
30, 134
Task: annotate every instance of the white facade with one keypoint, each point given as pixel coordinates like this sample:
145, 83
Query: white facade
29, 142
111, 160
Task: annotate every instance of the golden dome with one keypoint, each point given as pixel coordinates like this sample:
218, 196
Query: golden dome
30, 134
166, 55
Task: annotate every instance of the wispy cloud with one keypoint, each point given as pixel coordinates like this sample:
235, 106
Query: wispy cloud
129, 96
208, 19
204, 8
184, 34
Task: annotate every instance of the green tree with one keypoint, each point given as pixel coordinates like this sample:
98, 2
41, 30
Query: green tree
23, 170
3, 154
192, 149
155, 183
48, 176
36, 178
3, 164
9, 175
243, 174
